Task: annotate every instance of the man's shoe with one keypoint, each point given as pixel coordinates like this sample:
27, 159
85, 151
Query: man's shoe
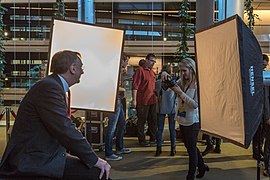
123, 151
113, 157
145, 144
265, 173
207, 150
152, 143
173, 151
217, 150
158, 151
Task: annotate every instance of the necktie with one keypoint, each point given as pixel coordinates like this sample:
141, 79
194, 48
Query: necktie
68, 104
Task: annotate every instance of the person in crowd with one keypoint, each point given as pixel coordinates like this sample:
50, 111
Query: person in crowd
210, 142
166, 106
145, 100
142, 62
266, 120
43, 130
257, 144
258, 138
188, 116
118, 120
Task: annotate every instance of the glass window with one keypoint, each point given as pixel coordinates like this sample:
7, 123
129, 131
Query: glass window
103, 20
154, 33
17, 28
129, 32
17, 17
140, 33
125, 21
46, 18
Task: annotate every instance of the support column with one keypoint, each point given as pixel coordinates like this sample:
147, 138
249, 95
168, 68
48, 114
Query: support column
227, 8
86, 11
204, 13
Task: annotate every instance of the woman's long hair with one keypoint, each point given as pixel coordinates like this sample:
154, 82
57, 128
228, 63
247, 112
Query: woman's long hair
191, 65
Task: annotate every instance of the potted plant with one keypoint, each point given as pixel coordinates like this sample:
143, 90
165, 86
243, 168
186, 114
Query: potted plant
2, 53
185, 29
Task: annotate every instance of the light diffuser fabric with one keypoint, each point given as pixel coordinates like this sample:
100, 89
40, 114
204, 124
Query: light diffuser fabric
229, 62
101, 52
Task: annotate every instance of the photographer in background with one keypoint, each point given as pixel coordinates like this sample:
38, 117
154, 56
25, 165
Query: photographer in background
166, 106
266, 121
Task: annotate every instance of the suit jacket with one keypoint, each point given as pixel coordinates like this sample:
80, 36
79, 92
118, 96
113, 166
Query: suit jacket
42, 132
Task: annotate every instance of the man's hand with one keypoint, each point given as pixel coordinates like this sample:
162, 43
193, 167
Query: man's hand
122, 89
133, 104
267, 122
104, 166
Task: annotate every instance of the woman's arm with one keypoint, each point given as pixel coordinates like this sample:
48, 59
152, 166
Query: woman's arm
190, 101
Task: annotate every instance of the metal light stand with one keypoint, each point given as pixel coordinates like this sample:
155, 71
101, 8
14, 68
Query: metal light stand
7, 123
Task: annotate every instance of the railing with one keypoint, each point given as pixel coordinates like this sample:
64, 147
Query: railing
7, 118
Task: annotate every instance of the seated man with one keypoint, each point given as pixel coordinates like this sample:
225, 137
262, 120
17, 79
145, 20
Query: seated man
43, 130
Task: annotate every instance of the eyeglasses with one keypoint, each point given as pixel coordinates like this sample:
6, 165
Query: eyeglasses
151, 60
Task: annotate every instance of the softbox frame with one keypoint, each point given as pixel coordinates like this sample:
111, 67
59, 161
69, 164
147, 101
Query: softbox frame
101, 49
229, 64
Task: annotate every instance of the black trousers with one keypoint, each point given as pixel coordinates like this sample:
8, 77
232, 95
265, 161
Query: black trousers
75, 169
190, 137
258, 139
267, 148
147, 113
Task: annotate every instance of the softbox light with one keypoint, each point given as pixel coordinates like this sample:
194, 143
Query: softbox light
229, 62
101, 50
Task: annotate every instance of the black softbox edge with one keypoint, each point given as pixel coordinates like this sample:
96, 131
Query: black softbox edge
246, 143
250, 55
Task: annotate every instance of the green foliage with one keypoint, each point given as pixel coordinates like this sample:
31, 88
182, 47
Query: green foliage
250, 14
60, 9
2, 53
186, 31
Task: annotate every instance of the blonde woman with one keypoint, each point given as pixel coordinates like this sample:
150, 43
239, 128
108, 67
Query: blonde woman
188, 116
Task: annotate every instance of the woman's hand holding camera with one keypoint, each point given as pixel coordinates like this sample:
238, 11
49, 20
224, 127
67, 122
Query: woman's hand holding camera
177, 90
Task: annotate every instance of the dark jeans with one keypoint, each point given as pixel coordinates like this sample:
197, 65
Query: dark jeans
75, 169
160, 123
190, 137
115, 119
147, 113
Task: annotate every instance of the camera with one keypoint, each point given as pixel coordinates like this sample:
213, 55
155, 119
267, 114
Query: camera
168, 83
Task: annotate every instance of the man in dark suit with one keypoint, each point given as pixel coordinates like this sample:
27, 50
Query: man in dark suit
43, 130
